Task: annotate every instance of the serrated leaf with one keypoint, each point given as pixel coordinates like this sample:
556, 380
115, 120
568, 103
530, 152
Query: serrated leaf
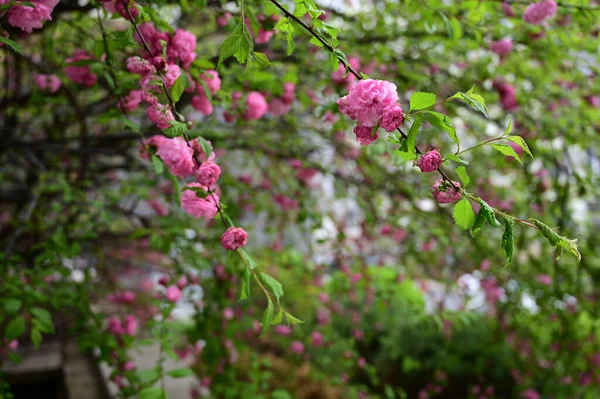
238, 45
273, 285
159, 167
506, 150
12, 44
245, 289
556, 240
508, 239
474, 100
455, 158
175, 129
463, 214
411, 140
508, 128
261, 58
518, 140
178, 88
441, 121
181, 372
479, 222
292, 320
247, 258
267, 318
420, 100
15, 328
278, 317
461, 171
489, 213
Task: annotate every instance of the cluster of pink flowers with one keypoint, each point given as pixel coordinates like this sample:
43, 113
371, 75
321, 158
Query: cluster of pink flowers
444, 192
430, 161
537, 13
265, 29
502, 47
122, 7
223, 19
234, 238
48, 83
372, 103
281, 105
508, 95
31, 16
199, 207
211, 80
253, 108
119, 327
82, 75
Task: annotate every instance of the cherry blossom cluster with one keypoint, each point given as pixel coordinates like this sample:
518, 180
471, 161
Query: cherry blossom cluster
30, 16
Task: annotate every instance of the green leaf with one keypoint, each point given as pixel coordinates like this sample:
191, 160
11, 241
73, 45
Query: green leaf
239, 45
274, 286
261, 58
175, 129
278, 317
12, 44
290, 42
205, 145
478, 223
411, 140
152, 393
508, 239
291, 319
245, 290
518, 140
178, 88
247, 258
464, 217
506, 150
455, 158
148, 376
42, 319
12, 305
441, 121
474, 100
508, 128
461, 171
556, 240
420, 100
181, 372
489, 213
159, 167
36, 337
15, 328
267, 318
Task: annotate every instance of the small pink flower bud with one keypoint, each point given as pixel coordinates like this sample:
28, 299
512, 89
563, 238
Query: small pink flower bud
430, 161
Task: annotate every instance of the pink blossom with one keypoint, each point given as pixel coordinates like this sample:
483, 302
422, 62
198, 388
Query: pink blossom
49, 83
391, 118
182, 282
158, 207
153, 141
289, 90
297, 347
366, 101
131, 101
202, 104
430, 161
129, 365
122, 7
200, 151
286, 202
28, 18
228, 314
199, 207
114, 326
278, 107
531, 394
502, 47
256, 106
234, 238
130, 325
160, 114
317, 339
212, 80
178, 156
223, 19
537, 13
594, 101
139, 66
544, 279
173, 294
263, 36
80, 74
508, 96
183, 45
149, 98
208, 173
365, 135
349, 79
444, 193
283, 330
361, 362
508, 10
173, 72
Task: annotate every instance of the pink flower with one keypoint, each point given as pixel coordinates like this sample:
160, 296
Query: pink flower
365, 135
129, 365
212, 80
544, 279
28, 18
130, 102
199, 207
182, 282
508, 10
361, 362
13, 345
178, 156
208, 173
161, 115
444, 193
502, 47
114, 326
228, 314
366, 101
594, 101
317, 339
350, 79
283, 330
154, 141
537, 13
202, 104
234, 238
256, 106
531, 394
173, 294
508, 96
158, 207
131, 325
49, 83
173, 72
223, 19
183, 45
80, 74
297, 347
286, 202
391, 118
430, 161
139, 66
278, 107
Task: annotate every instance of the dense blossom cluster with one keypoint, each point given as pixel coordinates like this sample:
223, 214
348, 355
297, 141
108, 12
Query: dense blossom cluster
429, 162
508, 95
502, 47
80, 74
537, 13
30, 16
372, 103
